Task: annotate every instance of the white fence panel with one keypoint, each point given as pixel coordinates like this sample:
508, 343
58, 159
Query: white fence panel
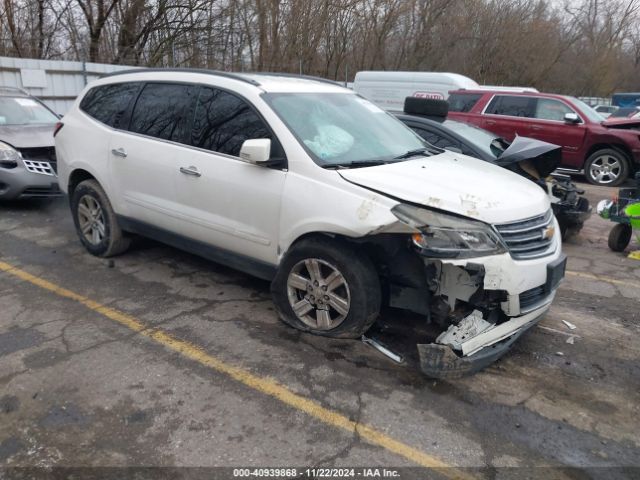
57, 83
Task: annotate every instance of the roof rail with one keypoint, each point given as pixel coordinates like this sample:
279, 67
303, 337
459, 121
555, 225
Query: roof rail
188, 70
14, 90
295, 75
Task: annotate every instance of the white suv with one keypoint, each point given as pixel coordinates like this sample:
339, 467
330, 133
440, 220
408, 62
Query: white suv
310, 186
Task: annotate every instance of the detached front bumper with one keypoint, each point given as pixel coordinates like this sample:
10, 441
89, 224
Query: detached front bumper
19, 182
441, 361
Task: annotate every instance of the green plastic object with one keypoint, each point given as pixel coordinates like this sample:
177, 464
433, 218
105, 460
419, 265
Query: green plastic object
633, 212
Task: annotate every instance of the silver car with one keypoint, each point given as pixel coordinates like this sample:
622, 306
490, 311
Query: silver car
27, 156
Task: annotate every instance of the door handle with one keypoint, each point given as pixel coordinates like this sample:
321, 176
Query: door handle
193, 171
119, 152
491, 122
536, 127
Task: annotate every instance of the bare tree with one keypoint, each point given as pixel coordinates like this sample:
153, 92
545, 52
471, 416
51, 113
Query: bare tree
589, 47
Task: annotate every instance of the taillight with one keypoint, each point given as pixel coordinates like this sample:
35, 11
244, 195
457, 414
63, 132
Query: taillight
57, 128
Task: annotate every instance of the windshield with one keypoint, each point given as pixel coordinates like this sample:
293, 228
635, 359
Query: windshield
343, 128
481, 139
588, 112
24, 111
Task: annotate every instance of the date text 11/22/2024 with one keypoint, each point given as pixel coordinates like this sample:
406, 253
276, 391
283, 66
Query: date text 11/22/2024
316, 472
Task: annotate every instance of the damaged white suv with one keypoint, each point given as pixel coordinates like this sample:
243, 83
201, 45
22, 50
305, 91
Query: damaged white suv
308, 185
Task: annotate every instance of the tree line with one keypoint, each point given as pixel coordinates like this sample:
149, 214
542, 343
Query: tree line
580, 47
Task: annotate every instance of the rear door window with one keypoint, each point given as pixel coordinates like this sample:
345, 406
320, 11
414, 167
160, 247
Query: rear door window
222, 122
162, 111
463, 102
109, 103
512, 106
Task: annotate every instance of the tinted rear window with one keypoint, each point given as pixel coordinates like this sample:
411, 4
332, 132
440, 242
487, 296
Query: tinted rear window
512, 106
463, 102
222, 122
162, 111
109, 103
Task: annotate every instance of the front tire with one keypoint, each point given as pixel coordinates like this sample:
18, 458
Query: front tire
619, 237
607, 167
95, 221
327, 288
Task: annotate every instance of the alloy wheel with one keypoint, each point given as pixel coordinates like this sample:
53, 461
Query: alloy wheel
318, 294
605, 169
91, 219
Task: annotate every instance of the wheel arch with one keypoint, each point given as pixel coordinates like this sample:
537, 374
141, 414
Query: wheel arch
623, 149
399, 268
78, 175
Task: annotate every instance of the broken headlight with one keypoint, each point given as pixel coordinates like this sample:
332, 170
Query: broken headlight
9, 156
447, 236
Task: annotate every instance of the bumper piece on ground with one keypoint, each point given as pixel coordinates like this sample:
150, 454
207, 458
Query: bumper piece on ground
440, 361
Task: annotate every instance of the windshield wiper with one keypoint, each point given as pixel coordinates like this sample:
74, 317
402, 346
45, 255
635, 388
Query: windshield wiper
358, 163
413, 153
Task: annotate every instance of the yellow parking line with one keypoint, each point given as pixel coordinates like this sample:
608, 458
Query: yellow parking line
603, 278
261, 384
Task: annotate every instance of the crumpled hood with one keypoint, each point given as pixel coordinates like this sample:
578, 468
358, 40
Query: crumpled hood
622, 123
27, 136
545, 157
456, 183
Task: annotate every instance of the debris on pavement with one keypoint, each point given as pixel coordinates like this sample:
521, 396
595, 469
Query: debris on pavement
570, 325
635, 255
383, 349
570, 340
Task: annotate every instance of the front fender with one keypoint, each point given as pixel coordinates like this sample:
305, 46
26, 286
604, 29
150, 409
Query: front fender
341, 208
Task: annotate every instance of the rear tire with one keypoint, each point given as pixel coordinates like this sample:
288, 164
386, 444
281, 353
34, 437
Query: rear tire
607, 167
327, 288
619, 237
95, 221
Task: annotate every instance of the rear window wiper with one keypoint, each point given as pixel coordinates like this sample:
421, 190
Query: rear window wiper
414, 153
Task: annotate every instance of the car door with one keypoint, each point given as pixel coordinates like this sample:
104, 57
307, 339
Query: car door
224, 200
508, 115
145, 158
548, 124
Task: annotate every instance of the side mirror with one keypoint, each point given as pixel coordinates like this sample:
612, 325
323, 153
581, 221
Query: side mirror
571, 118
256, 150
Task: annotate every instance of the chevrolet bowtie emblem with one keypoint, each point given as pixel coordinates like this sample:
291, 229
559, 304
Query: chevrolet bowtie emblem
547, 233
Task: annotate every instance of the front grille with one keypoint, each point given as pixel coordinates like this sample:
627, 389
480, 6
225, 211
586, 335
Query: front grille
532, 297
530, 238
41, 154
44, 168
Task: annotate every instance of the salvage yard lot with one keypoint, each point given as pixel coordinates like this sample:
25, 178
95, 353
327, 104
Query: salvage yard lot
219, 381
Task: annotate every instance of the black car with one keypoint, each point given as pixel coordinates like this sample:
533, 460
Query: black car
530, 158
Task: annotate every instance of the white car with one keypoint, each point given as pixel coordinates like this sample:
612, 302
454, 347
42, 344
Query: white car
307, 184
605, 110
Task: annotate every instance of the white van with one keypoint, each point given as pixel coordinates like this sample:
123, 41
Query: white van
389, 89
308, 185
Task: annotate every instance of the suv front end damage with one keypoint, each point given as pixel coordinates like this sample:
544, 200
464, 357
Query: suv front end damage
484, 309
481, 285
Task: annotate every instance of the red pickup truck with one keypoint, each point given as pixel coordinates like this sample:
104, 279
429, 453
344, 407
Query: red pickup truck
607, 152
